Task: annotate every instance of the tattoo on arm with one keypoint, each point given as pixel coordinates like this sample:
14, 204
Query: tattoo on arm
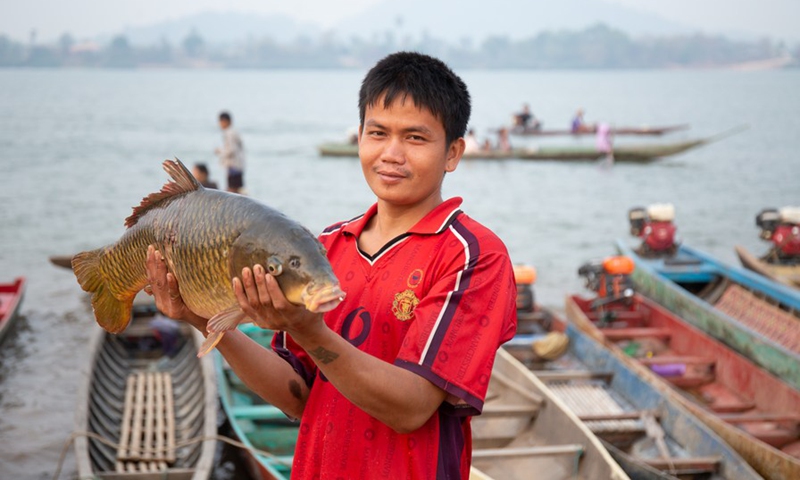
323, 355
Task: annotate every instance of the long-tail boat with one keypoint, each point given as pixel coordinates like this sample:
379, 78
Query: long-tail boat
267, 433
650, 435
755, 316
11, 295
754, 411
781, 262
148, 409
526, 432
626, 153
592, 130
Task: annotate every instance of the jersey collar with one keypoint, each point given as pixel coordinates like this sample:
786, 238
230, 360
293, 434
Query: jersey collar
436, 221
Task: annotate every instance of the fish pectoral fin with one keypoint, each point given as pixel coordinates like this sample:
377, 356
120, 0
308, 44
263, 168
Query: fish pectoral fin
209, 343
225, 320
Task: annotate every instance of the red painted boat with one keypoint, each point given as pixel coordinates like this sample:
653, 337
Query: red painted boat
755, 412
10, 301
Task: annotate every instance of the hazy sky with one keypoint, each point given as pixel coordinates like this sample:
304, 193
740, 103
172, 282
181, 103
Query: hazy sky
87, 18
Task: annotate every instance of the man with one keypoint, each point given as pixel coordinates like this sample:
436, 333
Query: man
231, 154
385, 384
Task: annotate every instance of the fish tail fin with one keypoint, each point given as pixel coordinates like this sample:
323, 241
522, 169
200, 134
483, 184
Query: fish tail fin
111, 313
209, 343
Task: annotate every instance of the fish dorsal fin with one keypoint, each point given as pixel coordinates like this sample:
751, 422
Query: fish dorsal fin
182, 182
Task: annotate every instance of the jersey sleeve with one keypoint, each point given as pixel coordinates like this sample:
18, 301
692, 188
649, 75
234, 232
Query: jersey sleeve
468, 312
287, 349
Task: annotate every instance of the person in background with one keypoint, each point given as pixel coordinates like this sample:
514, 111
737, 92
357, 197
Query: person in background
471, 144
231, 154
503, 140
200, 172
384, 384
578, 125
525, 120
604, 144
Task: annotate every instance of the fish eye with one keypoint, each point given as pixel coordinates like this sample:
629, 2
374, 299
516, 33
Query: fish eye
274, 266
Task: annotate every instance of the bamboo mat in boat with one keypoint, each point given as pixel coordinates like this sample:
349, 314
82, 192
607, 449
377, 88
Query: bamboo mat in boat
768, 320
147, 437
593, 398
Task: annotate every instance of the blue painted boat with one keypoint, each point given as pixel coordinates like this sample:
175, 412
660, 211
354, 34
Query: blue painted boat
267, 433
757, 317
650, 435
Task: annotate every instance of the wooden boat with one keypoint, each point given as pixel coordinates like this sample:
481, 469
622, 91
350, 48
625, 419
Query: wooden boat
779, 272
269, 435
63, 261
11, 295
527, 432
592, 130
753, 315
754, 411
632, 153
649, 434
149, 395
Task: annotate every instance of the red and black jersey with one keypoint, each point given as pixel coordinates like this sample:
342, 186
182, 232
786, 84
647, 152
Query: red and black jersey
438, 301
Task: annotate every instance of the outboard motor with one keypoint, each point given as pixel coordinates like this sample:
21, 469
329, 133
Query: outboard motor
654, 225
782, 228
611, 279
525, 277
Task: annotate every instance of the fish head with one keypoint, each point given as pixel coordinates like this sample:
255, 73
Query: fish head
299, 263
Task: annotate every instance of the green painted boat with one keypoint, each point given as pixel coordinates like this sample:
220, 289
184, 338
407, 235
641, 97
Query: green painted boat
626, 153
753, 315
269, 435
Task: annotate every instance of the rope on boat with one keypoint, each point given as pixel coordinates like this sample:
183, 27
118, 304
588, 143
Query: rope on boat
184, 443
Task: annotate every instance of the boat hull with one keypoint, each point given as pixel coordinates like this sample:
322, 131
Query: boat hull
11, 295
269, 435
527, 432
759, 343
632, 394
644, 153
786, 274
103, 406
737, 389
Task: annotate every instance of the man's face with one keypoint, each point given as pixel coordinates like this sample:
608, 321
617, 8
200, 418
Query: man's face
404, 154
223, 124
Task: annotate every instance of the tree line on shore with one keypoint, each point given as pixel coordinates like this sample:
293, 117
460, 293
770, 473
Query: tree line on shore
595, 47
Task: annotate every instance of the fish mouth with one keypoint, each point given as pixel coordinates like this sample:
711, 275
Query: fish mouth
321, 300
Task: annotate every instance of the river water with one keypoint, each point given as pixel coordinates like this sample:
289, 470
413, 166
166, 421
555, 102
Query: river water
79, 148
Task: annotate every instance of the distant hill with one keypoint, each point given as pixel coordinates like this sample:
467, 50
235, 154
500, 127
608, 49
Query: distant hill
222, 28
473, 19
477, 19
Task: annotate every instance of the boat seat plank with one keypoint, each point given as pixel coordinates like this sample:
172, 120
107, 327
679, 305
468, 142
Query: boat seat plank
538, 451
147, 438
599, 417
680, 359
615, 334
615, 316
563, 375
510, 410
258, 412
722, 400
761, 417
694, 464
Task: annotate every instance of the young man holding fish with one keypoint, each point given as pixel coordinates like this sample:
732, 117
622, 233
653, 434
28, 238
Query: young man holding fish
385, 383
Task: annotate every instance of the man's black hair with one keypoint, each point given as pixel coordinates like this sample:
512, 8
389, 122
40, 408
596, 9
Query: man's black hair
428, 81
225, 116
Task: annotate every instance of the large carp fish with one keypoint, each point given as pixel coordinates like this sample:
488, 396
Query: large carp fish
206, 237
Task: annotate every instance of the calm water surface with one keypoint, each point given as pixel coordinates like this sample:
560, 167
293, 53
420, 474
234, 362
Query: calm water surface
78, 149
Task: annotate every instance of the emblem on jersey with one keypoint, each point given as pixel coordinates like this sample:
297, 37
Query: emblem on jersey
414, 279
403, 305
